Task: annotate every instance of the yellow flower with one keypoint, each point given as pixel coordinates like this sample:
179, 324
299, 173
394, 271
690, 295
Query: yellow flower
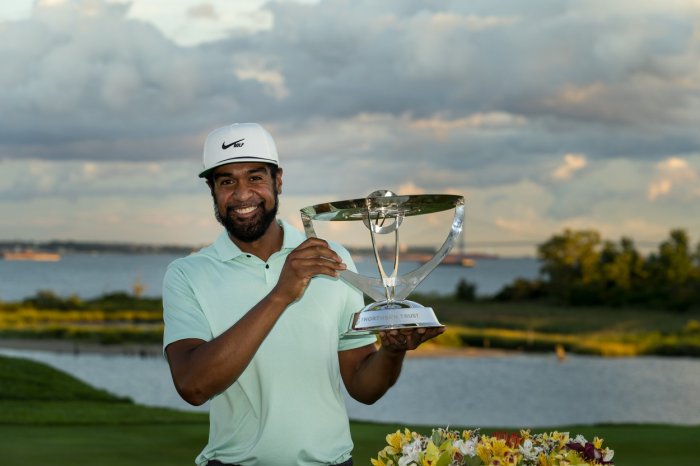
431, 455
560, 437
598, 442
396, 440
499, 447
483, 452
544, 460
573, 459
377, 462
387, 450
491, 449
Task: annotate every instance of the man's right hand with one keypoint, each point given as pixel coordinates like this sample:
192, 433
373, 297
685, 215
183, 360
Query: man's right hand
312, 257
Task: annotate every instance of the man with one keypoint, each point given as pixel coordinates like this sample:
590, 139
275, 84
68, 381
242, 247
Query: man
253, 323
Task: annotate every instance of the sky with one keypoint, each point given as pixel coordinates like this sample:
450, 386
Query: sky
543, 114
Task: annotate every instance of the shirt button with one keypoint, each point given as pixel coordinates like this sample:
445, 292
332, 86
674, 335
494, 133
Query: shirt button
267, 266
247, 255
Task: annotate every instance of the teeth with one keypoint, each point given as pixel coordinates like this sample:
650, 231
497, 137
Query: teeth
246, 210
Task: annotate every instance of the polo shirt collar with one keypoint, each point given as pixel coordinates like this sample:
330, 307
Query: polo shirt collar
227, 249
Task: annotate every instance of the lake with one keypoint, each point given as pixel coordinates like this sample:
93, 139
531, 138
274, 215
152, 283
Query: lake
91, 275
506, 391
512, 391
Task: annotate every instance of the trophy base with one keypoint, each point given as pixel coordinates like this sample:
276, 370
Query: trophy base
391, 315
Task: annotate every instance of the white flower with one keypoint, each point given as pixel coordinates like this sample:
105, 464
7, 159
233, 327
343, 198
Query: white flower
410, 453
608, 454
526, 449
467, 448
581, 440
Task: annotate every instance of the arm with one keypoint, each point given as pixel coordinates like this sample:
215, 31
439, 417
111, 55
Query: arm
369, 372
202, 369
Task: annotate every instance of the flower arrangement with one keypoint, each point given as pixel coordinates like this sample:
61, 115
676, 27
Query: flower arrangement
470, 448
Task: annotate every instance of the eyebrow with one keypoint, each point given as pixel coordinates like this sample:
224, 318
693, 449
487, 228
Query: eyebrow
247, 172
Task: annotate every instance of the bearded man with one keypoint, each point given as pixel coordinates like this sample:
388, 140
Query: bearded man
254, 323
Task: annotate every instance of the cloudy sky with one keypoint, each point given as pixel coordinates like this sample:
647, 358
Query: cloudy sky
544, 114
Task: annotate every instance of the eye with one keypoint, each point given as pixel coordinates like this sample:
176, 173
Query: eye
256, 178
225, 182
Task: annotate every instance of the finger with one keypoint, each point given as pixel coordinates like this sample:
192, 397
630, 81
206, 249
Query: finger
316, 265
318, 243
413, 340
318, 250
431, 333
391, 339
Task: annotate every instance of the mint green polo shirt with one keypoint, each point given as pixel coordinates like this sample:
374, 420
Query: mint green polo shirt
286, 408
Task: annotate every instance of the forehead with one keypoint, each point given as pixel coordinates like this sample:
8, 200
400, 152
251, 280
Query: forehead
239, 169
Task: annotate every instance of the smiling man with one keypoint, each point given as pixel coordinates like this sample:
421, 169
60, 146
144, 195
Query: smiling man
254, 323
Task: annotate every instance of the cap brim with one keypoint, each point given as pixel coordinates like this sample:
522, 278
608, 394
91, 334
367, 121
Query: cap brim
206, 172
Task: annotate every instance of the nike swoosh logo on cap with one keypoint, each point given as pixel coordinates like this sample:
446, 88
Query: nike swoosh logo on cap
238, 143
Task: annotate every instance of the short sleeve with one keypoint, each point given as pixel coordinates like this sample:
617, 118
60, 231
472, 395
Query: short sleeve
182, 313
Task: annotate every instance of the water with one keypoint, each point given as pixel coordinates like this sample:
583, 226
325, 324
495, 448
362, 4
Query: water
518, 391
91, 275
512, 391
86, 275
489, 275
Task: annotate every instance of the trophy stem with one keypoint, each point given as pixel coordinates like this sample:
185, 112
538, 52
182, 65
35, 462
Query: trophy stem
389, 282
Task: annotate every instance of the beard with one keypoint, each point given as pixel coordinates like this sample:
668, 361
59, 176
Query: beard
251, 229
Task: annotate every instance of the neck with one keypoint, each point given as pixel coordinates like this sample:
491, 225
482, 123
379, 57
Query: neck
265, 246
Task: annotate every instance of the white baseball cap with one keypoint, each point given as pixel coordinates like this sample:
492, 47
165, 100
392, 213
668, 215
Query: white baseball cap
239, 142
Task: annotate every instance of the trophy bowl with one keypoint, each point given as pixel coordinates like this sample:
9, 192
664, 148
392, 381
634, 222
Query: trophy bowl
383, 212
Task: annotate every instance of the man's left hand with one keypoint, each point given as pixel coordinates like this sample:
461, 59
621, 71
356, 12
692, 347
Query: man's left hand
408, 338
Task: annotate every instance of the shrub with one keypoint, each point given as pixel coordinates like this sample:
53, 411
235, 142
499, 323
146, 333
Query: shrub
465, 291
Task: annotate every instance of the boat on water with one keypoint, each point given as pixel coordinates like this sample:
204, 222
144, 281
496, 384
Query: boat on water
460, 260
29, 255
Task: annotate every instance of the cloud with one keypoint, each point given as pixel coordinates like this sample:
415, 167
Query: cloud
89, 79
32, 179
204, 11
572, 163
480, 98
673, 173
496, 82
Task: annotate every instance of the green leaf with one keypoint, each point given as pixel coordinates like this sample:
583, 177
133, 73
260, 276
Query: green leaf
444, 459
473, 461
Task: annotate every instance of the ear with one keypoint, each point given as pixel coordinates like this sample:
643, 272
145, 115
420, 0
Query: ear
278, 180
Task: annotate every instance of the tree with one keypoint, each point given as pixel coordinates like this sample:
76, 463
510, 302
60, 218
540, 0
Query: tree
674, 274
570, 260
673, 264
622, 271
578, 269
465, 291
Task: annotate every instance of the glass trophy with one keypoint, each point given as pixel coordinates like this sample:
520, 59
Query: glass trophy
383, 212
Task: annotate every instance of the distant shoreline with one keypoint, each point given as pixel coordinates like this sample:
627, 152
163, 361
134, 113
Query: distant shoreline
155, 350
81, 347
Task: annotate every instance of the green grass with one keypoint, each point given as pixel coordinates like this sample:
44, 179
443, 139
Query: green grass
178, 444
48, 417
539, 327
526, 326
103, 445
542, 317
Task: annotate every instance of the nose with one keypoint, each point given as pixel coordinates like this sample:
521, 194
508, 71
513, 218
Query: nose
242, 192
